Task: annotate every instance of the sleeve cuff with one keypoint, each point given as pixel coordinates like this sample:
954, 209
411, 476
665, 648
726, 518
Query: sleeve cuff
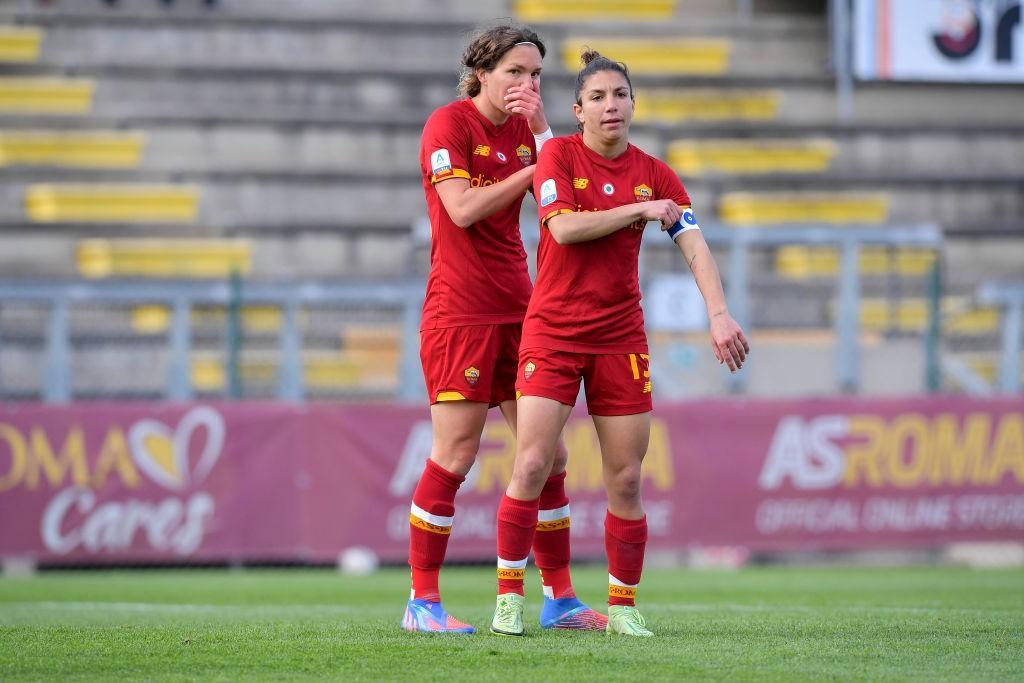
552, 214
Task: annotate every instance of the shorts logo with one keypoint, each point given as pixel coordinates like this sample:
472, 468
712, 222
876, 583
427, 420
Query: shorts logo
529, 369
548, 193
647, 387
472, 376
580, 183
441, 161
608, 188
643, 193
525, 155
501, 157
482, 150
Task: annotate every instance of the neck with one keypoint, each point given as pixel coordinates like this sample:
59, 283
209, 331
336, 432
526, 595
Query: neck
490, 112
608, 148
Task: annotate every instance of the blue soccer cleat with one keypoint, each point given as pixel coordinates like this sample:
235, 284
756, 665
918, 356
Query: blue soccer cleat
430, 617
570, 613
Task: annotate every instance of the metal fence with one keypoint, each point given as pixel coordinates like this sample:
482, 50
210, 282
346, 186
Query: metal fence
359, 341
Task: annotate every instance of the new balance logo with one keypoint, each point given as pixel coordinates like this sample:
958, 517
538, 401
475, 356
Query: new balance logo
482, 150
580, 183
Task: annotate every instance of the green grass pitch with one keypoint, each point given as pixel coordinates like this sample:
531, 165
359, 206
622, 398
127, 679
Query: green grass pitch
756, 624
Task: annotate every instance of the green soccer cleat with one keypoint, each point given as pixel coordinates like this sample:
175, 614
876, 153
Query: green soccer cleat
508, 616
625, 620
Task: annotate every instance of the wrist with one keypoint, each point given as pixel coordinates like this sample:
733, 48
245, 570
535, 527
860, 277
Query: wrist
539, 126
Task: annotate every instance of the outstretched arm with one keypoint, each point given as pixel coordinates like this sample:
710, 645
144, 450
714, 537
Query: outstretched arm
727, 339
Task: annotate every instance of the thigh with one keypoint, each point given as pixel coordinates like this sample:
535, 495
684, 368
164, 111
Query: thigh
457, 426
618, 384
459, 362
506, 364
550, 374
623, 439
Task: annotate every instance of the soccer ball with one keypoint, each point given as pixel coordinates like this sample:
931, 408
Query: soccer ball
358, 560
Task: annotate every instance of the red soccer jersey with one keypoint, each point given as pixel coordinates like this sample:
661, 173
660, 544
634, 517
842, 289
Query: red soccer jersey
587, 296
478, 274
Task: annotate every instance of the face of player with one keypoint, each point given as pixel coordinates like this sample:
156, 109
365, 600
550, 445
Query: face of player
520, 67
606, 108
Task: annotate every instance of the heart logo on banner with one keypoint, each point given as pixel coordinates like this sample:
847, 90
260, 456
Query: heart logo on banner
163, 453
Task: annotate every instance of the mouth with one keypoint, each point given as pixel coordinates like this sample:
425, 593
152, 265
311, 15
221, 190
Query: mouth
612, 122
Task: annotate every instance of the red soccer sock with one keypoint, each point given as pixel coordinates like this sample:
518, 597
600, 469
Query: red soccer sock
624, 540
430, 525
517, 521
551, 543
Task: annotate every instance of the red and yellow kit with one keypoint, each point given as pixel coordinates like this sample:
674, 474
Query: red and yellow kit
587, 297
478, 275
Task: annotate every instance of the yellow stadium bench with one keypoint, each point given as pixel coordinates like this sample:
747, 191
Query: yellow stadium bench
356, 369
46, 203
753, 208
798, 262
20, 43
656, 56
155, 319
912, 315
163, 258
588, 10
71, 149
59, 96
750, 156
704, 104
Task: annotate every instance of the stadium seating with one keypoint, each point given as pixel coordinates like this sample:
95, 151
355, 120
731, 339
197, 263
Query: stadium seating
280, 127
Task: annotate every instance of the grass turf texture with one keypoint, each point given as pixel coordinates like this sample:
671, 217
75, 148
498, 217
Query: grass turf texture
756, 624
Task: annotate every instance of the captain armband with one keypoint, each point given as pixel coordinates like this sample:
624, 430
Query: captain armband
686, 222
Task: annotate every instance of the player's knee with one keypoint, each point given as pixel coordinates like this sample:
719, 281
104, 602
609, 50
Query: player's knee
561, 457
456, 454
532, 466
625, 483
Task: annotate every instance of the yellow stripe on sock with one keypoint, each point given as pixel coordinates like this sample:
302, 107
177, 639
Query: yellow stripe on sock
518, 574
621, 591
427, 526
553, 525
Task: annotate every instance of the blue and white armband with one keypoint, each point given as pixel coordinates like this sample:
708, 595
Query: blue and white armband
686, 222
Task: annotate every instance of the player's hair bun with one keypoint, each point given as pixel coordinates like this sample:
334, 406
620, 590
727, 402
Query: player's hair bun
588, 56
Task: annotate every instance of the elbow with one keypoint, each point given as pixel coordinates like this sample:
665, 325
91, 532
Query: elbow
461, 219
562, 237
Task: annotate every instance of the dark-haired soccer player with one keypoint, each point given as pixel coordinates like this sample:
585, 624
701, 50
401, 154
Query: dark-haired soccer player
596, 193
477, 157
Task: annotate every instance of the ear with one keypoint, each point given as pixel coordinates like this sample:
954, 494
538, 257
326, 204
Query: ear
481, 75
578, 111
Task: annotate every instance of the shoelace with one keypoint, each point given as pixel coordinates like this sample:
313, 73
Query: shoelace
506, 610
634, 616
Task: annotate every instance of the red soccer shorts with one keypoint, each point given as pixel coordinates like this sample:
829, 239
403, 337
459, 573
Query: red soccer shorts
471, 363
615, 383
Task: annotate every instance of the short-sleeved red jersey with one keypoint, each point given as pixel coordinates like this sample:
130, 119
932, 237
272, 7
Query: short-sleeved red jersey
478, 274
587, 295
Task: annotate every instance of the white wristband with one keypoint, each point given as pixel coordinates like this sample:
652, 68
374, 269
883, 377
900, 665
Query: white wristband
541, 138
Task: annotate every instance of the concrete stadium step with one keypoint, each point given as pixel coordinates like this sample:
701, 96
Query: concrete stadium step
163, 258
760, 50
43, 95
127, 95
197, 151
20, 44
272, 12
958, 206
71, 149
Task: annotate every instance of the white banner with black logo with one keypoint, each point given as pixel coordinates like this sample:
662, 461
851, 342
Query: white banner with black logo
939, 40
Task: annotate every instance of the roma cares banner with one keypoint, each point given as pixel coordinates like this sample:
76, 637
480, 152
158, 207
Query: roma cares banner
226, 481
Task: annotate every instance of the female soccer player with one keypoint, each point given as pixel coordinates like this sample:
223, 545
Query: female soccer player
596, 193
477, 157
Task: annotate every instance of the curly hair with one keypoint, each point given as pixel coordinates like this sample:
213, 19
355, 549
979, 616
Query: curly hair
486, 50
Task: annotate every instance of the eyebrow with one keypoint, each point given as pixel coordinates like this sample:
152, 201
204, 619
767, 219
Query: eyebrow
521, 67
